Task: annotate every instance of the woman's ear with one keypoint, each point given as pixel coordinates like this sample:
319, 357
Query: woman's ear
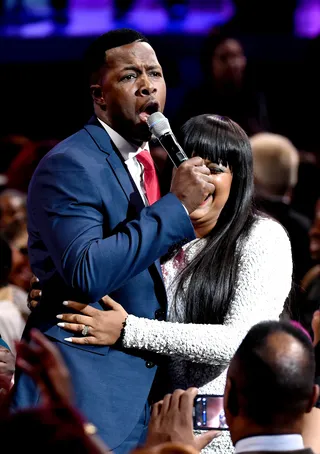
96, 94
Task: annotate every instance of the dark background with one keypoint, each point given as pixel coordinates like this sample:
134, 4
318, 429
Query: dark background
44, 94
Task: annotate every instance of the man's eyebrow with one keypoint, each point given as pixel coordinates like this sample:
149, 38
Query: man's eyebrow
135, 68
151, 67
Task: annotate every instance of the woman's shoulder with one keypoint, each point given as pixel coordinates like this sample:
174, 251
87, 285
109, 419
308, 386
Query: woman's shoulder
267, 228
267, 234
267, 250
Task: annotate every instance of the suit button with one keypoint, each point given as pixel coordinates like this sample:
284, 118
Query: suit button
149, 364
159, 314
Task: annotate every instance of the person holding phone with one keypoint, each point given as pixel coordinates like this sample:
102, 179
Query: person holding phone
237, 272
269, 392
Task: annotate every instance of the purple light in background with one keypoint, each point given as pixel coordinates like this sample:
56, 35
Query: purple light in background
88, 17
307, 19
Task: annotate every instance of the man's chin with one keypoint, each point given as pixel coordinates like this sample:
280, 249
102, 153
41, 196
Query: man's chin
141, 133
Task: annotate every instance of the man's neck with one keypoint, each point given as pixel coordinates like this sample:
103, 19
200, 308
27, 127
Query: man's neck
247, 429
137, 144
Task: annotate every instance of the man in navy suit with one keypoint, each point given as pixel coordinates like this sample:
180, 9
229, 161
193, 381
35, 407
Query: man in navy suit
92, 233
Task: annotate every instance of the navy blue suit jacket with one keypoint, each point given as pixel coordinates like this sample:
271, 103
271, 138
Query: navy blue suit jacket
91, 235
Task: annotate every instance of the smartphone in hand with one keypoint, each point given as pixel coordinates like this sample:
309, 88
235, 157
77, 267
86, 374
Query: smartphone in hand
208, 413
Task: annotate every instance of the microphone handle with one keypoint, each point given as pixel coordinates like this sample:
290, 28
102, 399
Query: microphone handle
172, 147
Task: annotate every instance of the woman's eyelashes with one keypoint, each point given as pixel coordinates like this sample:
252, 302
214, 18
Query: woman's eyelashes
216, 170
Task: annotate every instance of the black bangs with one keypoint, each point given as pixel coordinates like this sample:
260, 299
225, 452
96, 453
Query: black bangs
215, 138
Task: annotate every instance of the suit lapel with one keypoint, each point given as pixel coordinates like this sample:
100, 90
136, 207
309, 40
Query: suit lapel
124, 178
114, 159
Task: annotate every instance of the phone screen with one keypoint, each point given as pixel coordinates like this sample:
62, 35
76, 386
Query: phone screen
208, 413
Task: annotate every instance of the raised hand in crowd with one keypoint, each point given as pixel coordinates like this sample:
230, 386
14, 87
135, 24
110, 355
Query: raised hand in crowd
56, 418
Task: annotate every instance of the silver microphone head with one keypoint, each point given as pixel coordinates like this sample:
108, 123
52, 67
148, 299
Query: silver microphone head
158, 124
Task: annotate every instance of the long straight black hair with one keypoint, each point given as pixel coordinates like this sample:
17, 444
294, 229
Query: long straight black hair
212, 274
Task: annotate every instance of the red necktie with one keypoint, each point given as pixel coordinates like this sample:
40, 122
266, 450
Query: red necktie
151, 182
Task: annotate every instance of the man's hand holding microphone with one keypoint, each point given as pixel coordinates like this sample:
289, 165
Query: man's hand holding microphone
192, 180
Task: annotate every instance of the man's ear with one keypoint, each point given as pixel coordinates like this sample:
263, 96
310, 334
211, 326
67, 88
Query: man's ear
231, 399
96, 94
313, 399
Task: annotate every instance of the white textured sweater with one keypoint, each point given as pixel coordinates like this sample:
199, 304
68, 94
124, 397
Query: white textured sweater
200, 354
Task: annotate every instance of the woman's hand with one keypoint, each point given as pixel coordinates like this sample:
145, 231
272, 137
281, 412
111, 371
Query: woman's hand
101, 327
34, 294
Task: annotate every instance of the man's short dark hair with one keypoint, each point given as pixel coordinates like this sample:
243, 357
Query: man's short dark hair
95, 56
274, 384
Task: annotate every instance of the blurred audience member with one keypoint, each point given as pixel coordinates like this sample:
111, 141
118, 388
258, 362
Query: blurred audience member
21, 168
270, 388
307, 190
226, 89
315, 235
305, 127
12, 321
13, 212
13, 226
275, 165
305, 131
309, 300
11, 145
21, 271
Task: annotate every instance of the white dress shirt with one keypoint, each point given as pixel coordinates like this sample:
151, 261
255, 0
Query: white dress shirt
129, 152
286, 442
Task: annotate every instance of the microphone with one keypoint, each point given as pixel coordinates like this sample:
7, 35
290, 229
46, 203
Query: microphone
160, 128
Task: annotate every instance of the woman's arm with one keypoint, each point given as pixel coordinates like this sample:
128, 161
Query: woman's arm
263, 284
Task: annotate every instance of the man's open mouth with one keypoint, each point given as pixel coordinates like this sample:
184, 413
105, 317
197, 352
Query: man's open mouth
148, 109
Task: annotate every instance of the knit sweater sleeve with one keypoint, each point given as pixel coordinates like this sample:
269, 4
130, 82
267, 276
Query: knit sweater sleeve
264, 282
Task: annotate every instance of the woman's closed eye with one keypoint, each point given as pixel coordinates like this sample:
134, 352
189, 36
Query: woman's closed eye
216, 170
